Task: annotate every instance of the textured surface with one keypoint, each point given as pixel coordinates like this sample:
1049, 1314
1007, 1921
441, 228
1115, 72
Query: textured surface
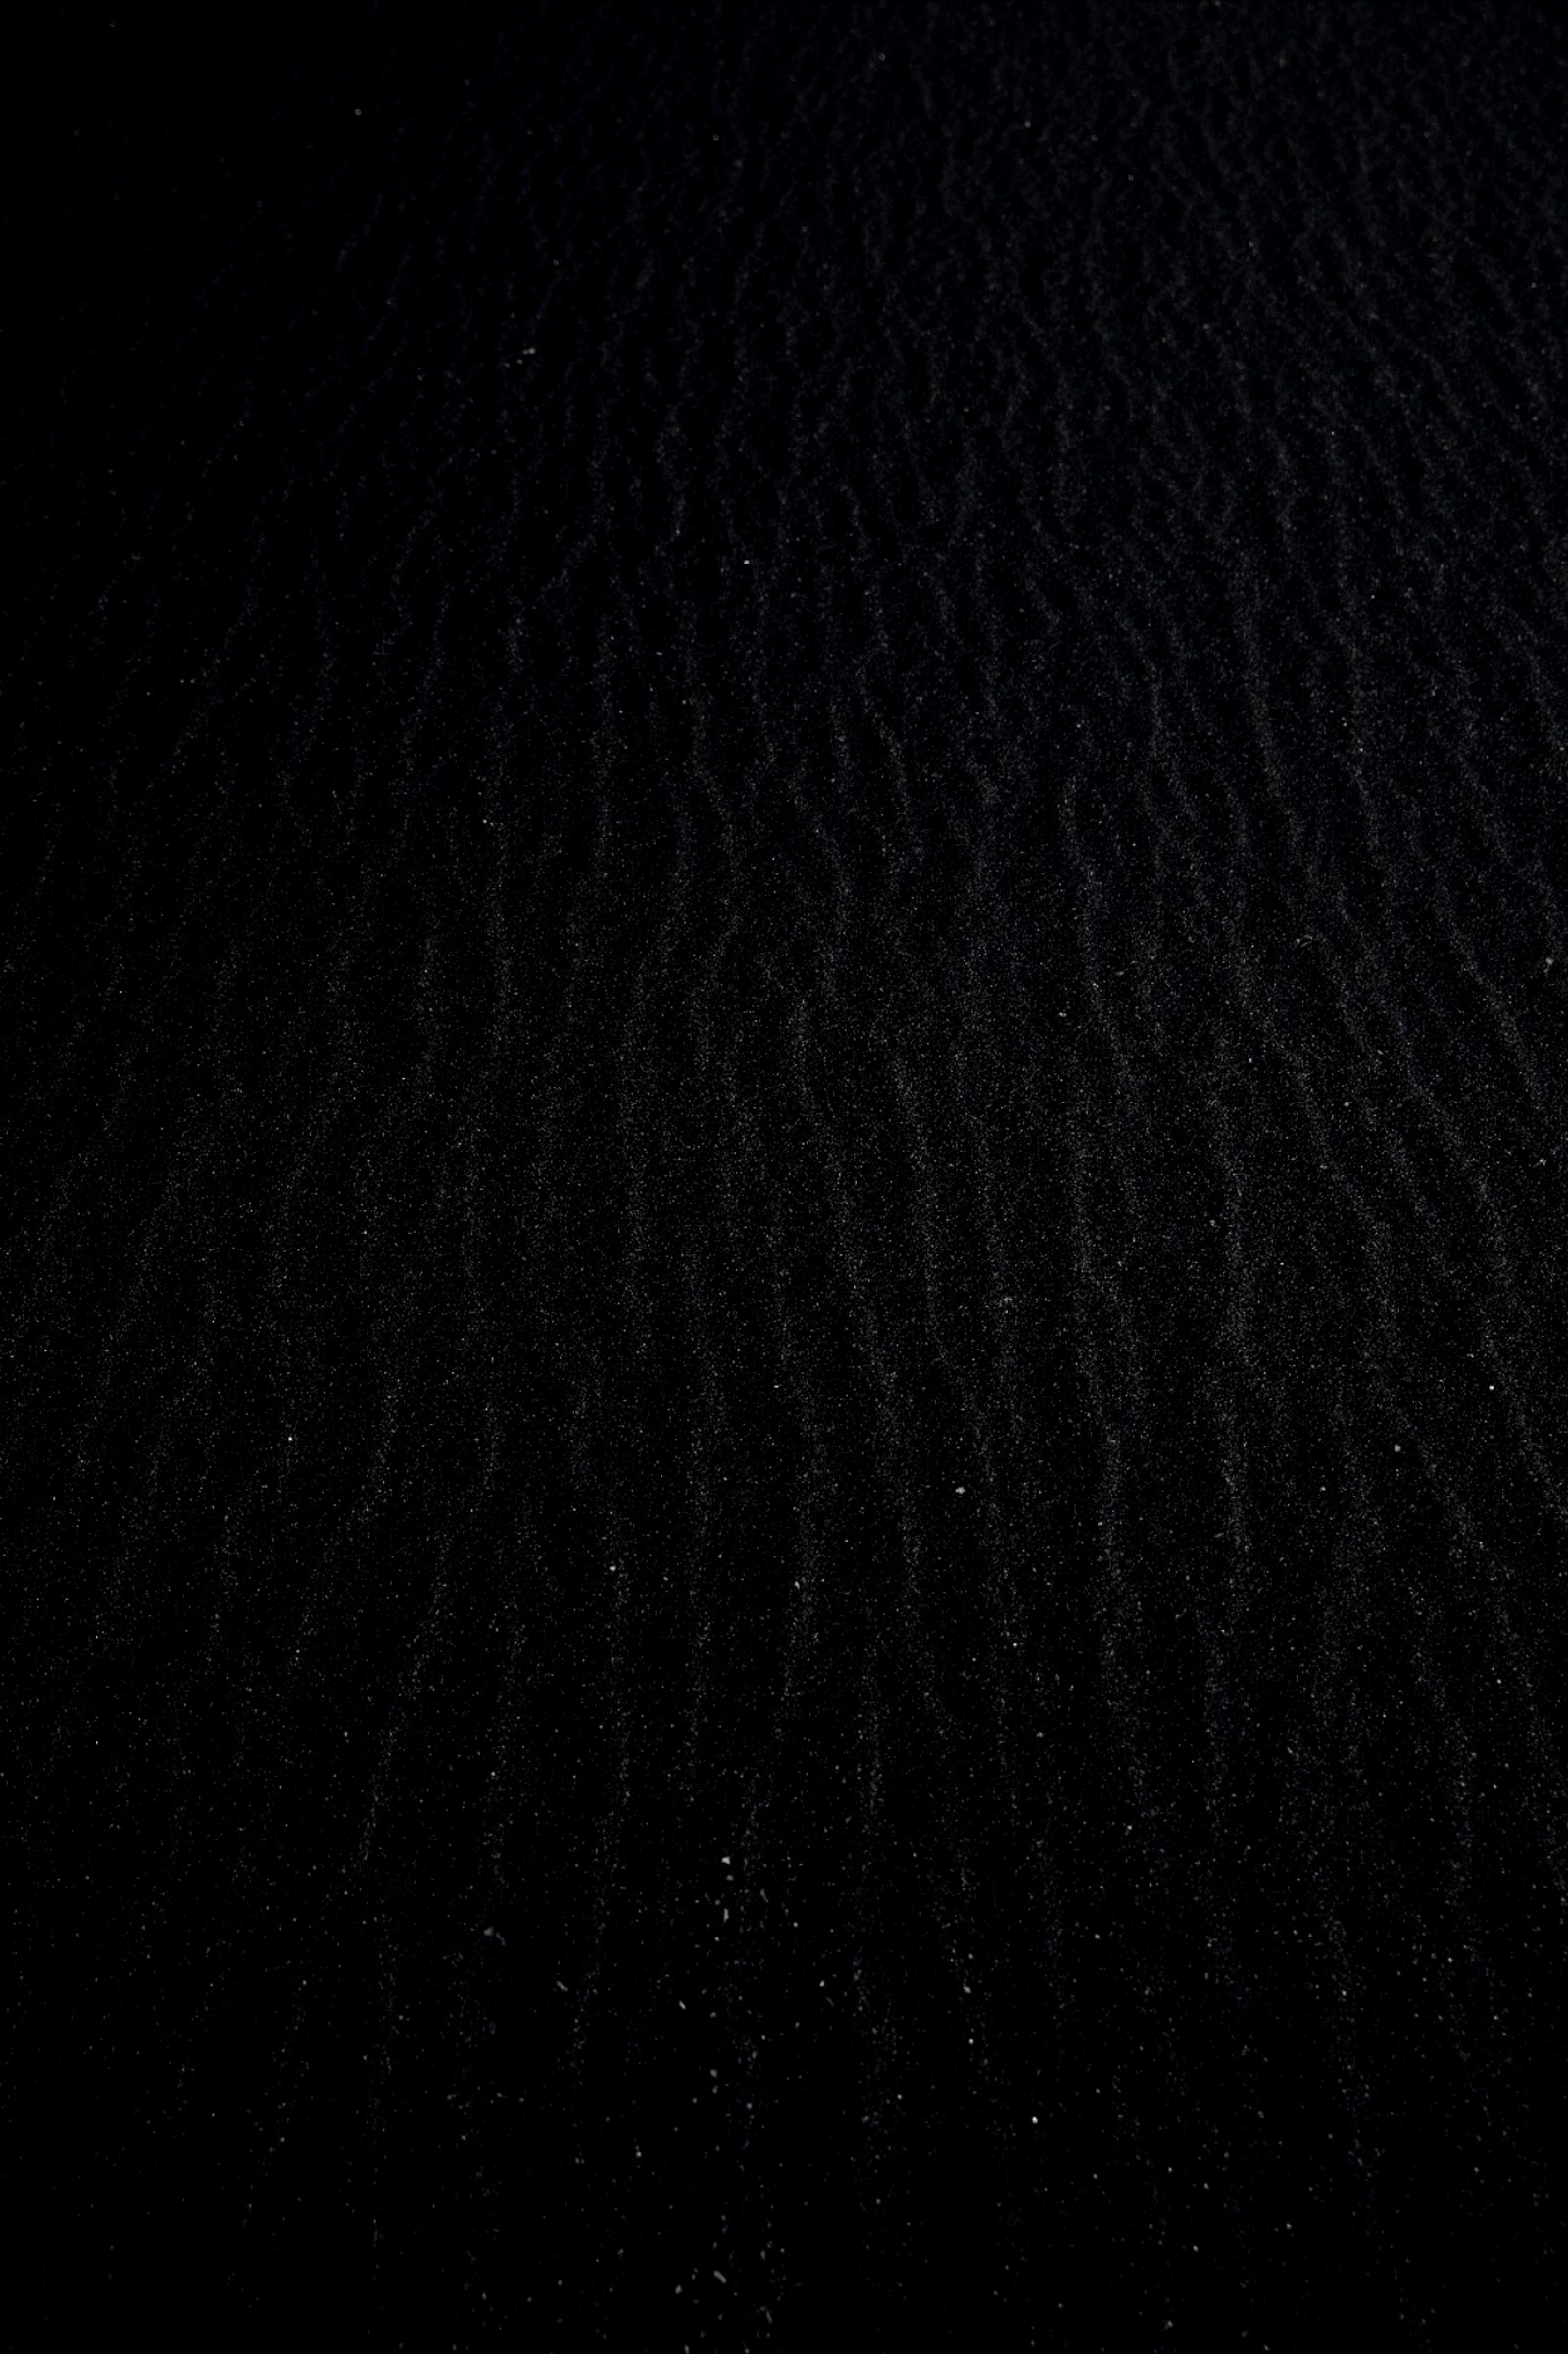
784, 988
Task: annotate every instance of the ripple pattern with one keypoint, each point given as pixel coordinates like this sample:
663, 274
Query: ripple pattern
783, 1274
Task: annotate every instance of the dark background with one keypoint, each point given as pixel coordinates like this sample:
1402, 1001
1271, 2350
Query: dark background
782, 1488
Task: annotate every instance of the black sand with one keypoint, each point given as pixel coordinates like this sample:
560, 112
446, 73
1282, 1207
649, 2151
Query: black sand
783, 1480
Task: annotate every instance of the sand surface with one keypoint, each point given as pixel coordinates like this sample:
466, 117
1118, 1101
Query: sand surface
783, 880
